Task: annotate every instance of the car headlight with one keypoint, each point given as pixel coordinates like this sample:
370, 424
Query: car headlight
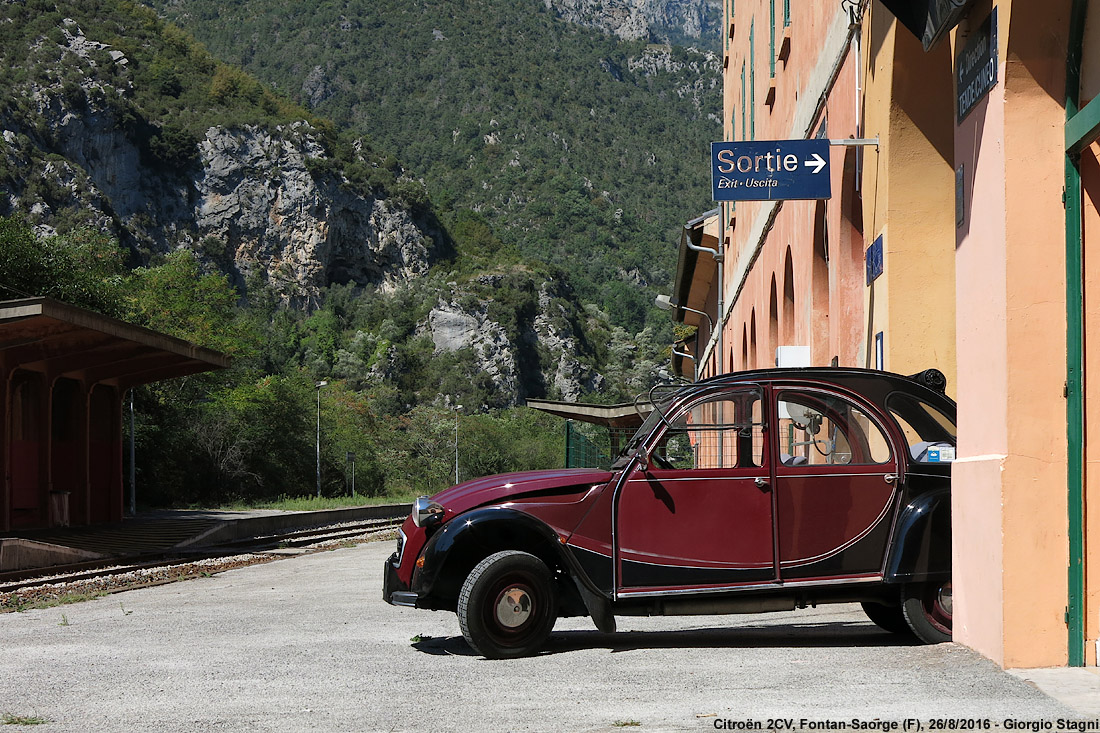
426, 512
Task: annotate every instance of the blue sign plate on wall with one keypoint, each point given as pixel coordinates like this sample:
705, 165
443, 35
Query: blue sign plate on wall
770, 170
874, 260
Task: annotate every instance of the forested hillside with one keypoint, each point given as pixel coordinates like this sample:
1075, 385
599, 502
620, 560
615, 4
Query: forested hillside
583, 151
142, 177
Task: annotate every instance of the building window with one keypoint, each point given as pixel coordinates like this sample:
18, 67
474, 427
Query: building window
744, 106
752, 81
771, 39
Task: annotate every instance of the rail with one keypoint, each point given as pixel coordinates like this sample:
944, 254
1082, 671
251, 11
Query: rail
42, 586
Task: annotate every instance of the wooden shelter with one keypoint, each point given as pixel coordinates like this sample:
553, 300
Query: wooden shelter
63, 374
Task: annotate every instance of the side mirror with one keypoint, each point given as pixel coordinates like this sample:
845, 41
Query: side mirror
642, 459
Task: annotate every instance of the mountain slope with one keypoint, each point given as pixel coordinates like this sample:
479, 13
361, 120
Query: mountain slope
684, 22
115, 120
584, 151
112, 119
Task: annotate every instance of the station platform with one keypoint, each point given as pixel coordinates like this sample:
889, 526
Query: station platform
163, 531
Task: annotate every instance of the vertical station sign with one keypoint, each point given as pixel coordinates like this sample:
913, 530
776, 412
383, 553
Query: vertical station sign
976, 67
770, 170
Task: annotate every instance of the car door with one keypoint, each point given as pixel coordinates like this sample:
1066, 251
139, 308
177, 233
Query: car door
699, 515
837, 473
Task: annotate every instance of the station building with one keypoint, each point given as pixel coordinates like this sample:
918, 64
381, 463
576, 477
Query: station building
64, 372
964, 184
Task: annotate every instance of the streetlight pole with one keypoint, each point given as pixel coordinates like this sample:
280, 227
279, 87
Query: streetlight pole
665, 303
133, 469
320, 384
457, 408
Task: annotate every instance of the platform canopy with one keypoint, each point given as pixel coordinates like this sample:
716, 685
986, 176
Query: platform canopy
46, 335
64, 372
610, 416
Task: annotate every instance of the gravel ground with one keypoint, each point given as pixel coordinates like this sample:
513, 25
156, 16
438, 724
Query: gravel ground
306, 644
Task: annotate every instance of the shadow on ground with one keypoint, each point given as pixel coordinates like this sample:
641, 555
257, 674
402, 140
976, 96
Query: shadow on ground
821, 635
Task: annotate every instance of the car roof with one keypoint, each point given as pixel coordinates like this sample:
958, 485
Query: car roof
872, 384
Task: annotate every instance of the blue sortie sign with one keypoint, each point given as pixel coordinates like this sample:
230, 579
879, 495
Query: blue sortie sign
770, 170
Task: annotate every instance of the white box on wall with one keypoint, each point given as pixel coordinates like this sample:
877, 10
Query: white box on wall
792, 356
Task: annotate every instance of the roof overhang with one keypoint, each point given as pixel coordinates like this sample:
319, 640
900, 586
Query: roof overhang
929, 20
46, 335
625, 415
692, 283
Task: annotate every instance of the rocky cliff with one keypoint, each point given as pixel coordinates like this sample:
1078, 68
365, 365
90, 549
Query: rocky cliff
270, 202
256, 200
678, 21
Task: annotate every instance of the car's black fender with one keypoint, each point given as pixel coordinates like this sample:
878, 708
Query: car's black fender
460, 544
915, 554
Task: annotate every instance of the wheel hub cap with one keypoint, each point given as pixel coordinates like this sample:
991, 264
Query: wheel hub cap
514, 607
944, 598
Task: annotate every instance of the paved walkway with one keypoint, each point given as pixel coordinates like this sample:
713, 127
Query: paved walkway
307, 644
1079, 688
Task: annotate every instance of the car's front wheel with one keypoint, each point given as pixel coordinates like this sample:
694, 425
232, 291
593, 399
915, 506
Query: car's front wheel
927, 610
508, 605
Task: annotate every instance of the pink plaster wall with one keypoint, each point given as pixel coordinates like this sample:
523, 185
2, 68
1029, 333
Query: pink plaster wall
1009, 483
829, 330
982, 352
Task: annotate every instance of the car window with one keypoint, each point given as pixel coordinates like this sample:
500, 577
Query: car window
929, 432
816, 428
722, 431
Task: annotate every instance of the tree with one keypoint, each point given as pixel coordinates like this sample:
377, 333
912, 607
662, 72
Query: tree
83, 268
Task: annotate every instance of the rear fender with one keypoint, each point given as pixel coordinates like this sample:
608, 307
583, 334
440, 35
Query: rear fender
921, 549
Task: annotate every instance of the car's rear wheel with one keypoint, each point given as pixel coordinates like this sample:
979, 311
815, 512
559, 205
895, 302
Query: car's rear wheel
927, 610
887, 617
508, 605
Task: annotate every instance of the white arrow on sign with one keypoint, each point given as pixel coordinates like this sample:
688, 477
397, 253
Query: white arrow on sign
816, 161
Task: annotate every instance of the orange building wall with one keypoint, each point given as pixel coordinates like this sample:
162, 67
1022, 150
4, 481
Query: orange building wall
1009, 498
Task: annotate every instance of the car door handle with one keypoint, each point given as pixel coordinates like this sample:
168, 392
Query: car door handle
762, 484
890, 478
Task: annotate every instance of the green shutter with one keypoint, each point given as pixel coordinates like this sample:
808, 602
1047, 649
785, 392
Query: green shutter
752, 81
771, 41
744, 126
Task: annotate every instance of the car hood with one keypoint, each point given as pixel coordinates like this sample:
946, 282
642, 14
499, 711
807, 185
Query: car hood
505, 486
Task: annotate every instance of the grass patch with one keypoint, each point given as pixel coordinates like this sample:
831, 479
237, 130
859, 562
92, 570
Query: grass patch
14, 603
312, 503
9, 719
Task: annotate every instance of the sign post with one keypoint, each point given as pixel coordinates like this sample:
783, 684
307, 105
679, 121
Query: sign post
770, 170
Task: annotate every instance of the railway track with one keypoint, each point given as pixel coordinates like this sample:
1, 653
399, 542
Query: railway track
64, 583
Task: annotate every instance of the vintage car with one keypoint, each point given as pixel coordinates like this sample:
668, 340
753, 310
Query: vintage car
756, 491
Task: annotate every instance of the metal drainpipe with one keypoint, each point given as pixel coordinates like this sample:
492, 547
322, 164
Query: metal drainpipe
1075, 427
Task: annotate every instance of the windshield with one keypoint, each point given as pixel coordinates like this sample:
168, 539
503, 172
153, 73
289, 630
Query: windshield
661, 399
929, 431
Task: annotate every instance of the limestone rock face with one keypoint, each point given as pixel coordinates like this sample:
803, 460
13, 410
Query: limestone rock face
453, 328
257, 194
546, 357
632, 20
252, 201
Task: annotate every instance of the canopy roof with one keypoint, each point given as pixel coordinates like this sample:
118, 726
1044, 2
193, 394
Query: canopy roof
612, 416
46, 335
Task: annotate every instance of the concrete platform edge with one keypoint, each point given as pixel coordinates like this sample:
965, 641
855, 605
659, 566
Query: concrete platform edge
235, 529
